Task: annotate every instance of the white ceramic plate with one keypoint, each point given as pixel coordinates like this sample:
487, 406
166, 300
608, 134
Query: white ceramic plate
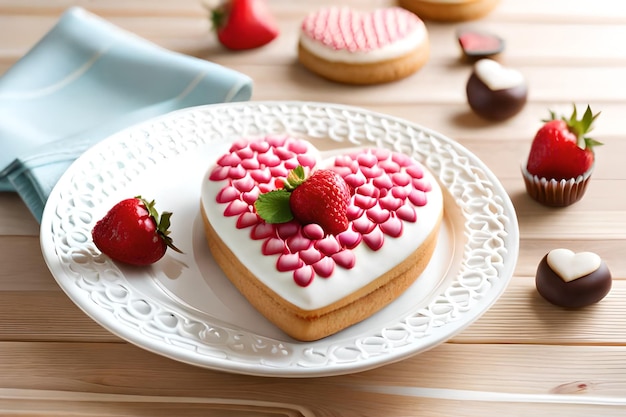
184, 308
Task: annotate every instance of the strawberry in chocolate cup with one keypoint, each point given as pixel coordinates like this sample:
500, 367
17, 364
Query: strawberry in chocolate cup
561, 159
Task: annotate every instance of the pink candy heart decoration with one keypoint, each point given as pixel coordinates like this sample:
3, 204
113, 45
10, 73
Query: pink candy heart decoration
387, 188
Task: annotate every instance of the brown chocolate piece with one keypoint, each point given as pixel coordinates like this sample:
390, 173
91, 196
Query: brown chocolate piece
495, 104
479, 44
581, 292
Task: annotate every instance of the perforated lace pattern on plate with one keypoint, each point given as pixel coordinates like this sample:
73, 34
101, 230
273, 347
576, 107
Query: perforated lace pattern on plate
101, 290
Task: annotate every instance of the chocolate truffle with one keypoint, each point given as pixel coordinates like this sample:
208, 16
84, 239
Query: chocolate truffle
495, 92
572, 280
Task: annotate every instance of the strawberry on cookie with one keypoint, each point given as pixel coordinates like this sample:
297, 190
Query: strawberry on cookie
561, 159
321, 198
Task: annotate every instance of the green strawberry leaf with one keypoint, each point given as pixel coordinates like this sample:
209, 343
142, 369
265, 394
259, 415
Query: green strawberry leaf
295, 177
580, 127
587, 120
590, 143
273, 207
162, 221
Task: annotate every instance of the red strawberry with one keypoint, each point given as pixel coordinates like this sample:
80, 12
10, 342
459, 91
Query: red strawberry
244, 24
132, 232
560, 149
321, 198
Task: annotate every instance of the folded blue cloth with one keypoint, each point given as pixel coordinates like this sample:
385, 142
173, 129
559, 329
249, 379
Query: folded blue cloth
83, 81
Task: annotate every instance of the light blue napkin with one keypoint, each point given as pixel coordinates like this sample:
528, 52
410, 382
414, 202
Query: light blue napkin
83, 81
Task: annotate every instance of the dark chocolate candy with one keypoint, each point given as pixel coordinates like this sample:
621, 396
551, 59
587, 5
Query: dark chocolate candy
479, 44
495, 103
580, 292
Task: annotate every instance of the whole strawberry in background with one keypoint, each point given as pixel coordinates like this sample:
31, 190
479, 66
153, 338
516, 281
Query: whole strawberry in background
321, 198
561, 159
133, 232
243, 24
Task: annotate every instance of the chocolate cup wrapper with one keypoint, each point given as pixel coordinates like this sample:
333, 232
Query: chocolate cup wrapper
556, 193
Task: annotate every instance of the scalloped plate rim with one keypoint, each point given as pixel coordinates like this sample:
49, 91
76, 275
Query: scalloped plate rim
452, 328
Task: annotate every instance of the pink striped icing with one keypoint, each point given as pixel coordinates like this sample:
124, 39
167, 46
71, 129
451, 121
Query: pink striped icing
355, 31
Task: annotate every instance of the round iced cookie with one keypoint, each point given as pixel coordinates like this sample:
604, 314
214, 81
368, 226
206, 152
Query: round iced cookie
449, 10
363, 47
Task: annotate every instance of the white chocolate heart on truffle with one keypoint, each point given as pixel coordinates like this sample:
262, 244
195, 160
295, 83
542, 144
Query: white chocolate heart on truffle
497, 77
570, 266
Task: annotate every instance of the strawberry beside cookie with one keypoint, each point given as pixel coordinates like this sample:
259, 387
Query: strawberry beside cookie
133, 232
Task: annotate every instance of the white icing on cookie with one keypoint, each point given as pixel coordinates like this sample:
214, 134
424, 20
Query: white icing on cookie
570, 266
369, 264
345, 35
497, 77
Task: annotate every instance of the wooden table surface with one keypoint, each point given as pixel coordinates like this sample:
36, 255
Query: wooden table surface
523, 357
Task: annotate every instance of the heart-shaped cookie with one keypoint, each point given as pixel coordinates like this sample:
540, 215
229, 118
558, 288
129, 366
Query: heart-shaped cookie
396, 206
570, 266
